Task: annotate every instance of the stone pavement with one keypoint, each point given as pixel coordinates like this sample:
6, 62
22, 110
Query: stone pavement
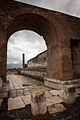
21, 89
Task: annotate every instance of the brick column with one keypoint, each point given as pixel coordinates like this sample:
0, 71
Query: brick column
59, 60
54, 64
3, 53
65, 53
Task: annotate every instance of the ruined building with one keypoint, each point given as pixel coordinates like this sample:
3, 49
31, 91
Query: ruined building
37, 66
61, 33
38, 62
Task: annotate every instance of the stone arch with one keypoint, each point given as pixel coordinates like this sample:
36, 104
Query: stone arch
47, 24
38, 24
34, 22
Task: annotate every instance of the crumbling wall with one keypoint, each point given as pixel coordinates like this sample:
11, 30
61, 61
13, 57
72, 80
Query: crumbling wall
36, 67
39, 62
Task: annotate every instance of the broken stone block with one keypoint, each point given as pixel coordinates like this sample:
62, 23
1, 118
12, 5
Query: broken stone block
57, 92
69, 95
1, 82
1, 100
3, 94
15, 103
19, 92
53, 100
12, 93
38, 103
56, 108
26, 92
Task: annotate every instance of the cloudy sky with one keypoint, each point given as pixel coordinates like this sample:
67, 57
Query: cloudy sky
24, 41
31, 43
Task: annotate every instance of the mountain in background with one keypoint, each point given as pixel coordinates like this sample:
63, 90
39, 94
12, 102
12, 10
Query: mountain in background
13, 66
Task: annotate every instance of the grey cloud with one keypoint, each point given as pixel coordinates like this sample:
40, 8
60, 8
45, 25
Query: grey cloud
27, 42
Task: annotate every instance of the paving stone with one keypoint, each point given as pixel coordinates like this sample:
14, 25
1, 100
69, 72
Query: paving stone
12, 93
53, 100
56, 108
26, 92
26, 99
19, 92
15, 103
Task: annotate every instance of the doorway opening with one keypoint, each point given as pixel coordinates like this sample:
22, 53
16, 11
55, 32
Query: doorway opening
75, 54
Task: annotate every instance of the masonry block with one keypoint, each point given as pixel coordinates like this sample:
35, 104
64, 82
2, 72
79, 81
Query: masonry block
38, 103
1, 82
69, 95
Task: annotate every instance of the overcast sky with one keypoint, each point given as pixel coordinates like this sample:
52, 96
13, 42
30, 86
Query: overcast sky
27, 42
31, 43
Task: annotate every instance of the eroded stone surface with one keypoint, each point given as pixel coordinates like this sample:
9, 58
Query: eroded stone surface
56, 108
15, 103
38, 103
1, 100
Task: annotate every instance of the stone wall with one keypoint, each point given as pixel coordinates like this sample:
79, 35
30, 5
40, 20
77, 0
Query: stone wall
40, 61
36, 67
56, 28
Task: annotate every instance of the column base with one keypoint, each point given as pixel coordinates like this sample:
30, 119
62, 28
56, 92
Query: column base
68, 90
59, 84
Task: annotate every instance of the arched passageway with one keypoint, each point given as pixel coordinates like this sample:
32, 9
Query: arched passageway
53, 26
56, 28
38, 24
45, 28
24, 41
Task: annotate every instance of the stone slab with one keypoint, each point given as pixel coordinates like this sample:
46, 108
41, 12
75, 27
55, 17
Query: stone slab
53, 85
56, 108
53, 100
12, 93
59, 86
15, 103
26, 99
19, 92
1, 100
26, 92
4, 94
73, 81
1, 82
57, 92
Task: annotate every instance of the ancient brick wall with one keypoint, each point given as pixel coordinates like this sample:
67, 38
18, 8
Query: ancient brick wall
40, 61
56, 28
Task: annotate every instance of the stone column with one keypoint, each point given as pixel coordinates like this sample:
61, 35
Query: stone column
23, 59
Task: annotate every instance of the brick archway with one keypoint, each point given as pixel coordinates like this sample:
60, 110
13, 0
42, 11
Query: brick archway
55, 27
38, 24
